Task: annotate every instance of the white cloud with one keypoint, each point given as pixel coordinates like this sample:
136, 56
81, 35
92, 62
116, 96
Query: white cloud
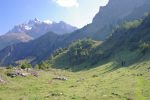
67, 3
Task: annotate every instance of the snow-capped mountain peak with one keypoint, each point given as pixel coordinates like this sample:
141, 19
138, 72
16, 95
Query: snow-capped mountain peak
36, 28
28, 27
35, 21
48, 22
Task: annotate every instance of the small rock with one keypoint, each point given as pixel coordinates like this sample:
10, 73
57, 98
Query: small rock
12, 74
34, 73
60, 78
24, 74
56, 94
17, 73
115, 94
129, 99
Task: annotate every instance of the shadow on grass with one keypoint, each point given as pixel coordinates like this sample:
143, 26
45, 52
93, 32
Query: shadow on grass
87, 66
116, 64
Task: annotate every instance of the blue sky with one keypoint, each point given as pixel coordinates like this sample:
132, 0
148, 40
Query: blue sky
74, 12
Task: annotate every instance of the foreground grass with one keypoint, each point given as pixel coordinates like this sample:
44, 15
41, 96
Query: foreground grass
100, 83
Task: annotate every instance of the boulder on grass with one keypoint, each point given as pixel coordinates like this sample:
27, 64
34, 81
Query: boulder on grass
33, 73
24, 74
61, 78
12, 74
16, 73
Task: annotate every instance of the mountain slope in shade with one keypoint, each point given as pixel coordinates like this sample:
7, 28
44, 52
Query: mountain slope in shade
114, 13
35, 50
9, 39
138, 11
32, 30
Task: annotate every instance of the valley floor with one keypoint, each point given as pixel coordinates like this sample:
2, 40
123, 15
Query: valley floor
100, 83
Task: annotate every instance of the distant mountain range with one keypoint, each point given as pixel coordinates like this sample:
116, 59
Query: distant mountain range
103, 25
32, 30
36, 28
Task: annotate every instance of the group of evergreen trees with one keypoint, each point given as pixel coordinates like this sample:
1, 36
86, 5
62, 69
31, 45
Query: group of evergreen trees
81, 51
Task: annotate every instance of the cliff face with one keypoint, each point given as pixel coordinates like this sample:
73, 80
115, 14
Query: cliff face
114, 13
116, 10
140, 11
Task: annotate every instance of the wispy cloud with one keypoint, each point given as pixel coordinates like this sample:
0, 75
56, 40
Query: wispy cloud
67, 3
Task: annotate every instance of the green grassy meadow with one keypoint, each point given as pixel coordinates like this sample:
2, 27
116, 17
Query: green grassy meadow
99, 83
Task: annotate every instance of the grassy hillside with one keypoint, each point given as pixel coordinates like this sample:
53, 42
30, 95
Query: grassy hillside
76, 57
128, 44
100, 83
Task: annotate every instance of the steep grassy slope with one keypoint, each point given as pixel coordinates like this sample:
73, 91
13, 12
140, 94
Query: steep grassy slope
79, 55
127, 45
100, 83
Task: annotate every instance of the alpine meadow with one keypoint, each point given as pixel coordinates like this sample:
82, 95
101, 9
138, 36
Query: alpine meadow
71, 58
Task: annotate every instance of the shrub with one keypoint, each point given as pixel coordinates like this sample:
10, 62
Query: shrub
36, 66
25, 65
58, 51
43, 66
9, 67
81, 51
